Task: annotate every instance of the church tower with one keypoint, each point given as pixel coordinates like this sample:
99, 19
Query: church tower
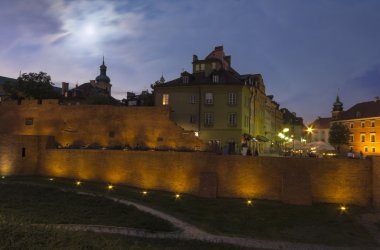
337, 108
102, 81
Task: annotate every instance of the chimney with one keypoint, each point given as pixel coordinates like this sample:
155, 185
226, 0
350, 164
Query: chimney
195, 58
65, 88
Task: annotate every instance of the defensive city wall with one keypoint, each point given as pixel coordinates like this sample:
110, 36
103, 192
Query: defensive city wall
291, 180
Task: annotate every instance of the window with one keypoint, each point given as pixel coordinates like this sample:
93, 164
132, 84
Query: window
197, 67
232, 119
165, 99
111, 134
351, 125
185, 79
23, 152
213, 65
29, 121
373, 150
362, 137
372, 123
202, 66
246, 121
215, 78
351, 138
362, 124
192, 99
373, 137
231, 98
209, 98
193, 118
366, 149
209, 119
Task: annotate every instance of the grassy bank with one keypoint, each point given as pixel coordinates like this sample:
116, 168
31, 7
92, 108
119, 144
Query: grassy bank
320, 223
14, 234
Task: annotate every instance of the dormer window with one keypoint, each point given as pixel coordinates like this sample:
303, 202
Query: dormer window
215, 78
185, 79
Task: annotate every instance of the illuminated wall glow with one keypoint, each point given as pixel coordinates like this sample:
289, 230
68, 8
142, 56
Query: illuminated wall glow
341, 181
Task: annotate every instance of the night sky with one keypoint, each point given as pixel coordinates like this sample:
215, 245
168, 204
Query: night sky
306, 50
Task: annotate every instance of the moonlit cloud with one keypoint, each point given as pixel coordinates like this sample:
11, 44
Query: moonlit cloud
306, 51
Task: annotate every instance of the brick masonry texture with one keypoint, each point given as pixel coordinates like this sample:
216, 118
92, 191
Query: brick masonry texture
327, 180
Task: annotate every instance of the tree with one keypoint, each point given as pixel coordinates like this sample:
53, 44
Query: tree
339, 135
31, 86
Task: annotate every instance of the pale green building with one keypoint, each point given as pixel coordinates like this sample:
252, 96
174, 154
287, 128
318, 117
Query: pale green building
216, 103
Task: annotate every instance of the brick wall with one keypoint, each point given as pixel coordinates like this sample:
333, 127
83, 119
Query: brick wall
292, 180
96, 124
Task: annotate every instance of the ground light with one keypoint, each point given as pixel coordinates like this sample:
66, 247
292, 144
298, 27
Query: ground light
177, 196
78, 183
343, 208
3, 177
144, 193
110, 187
249, 202
51, 179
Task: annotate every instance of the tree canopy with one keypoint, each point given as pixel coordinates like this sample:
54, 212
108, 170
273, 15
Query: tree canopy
31, 86
339, 135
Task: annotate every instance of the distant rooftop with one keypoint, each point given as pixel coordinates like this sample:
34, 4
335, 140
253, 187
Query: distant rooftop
362, 110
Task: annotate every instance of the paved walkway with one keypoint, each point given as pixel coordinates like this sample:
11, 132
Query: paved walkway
187, 231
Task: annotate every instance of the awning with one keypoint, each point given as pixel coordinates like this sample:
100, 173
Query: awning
261, 138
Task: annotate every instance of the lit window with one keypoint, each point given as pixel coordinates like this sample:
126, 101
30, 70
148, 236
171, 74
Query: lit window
362, 124
373, 137
209, 119
197, 67
215, 78
351, 125
351, 138
231, 98
232, 119
202, 66
165, 99
192, 99
373, 150
362, 137
209, 98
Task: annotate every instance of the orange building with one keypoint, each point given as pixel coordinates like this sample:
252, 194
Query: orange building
363, 120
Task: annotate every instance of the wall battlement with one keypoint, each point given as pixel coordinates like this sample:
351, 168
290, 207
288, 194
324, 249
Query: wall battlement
102, 125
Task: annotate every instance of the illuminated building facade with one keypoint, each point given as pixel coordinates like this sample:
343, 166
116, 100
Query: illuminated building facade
217, 103
363, 121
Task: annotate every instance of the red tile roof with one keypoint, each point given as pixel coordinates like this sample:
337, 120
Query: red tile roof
361, 110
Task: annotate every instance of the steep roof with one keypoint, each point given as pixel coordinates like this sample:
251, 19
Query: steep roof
321, 123
199, 78
4, 79
361, 110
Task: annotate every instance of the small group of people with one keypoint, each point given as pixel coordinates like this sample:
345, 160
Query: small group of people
351, 155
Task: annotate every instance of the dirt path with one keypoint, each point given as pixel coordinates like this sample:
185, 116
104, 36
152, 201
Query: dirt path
190, 232
187, 231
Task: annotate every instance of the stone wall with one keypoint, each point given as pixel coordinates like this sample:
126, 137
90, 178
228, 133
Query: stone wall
292, 180
103, 125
